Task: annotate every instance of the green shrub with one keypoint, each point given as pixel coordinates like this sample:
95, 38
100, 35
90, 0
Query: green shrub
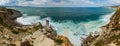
59, 41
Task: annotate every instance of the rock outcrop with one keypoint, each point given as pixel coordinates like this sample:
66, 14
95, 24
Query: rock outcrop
13, 33
65, 41
110, 36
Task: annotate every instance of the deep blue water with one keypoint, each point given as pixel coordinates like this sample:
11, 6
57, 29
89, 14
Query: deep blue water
68, 21
60, 14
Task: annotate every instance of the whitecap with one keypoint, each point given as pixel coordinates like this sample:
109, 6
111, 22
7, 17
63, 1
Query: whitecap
70, 29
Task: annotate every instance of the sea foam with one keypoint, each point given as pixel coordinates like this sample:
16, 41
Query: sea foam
68, 28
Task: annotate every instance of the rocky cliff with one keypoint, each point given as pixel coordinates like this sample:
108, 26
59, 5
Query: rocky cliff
110, 36
13, 33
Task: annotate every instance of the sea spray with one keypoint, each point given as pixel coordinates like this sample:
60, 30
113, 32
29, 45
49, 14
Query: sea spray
68, 28
74, 24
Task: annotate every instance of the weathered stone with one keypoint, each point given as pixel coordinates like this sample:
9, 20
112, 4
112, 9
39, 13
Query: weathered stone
13, 33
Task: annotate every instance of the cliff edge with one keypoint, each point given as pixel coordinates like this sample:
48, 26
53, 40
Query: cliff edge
110, 35
13, 33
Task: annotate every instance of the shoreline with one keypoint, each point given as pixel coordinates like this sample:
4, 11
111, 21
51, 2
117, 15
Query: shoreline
109, 34
15, 34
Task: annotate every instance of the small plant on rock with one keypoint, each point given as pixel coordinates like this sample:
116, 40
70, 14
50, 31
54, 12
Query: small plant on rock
59, 41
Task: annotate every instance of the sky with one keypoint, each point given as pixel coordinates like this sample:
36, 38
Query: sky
60, 3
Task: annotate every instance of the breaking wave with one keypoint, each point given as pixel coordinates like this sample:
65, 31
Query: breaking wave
68, 28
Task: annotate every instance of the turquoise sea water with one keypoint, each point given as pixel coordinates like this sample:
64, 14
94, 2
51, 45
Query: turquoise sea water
69, 21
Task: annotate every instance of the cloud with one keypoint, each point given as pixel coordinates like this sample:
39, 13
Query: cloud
30, 3
59, 3
106, 2
4, 2
61, 0
115, 2
46, 3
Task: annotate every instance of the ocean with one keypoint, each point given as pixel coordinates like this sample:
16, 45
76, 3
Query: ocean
72, 22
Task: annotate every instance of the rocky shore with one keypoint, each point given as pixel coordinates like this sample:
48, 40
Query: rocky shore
110, 34
13, 33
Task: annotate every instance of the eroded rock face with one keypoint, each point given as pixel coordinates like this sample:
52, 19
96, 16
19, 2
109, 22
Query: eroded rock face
47, 37
65, 41
42, 40
110, 34
8, 16
13, 33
